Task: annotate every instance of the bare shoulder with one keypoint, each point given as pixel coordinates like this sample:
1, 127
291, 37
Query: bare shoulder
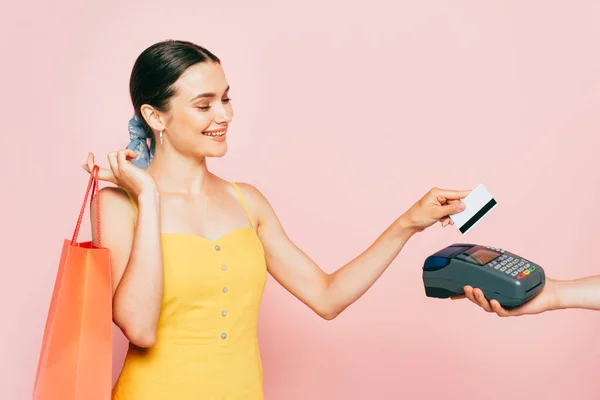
114, 196
249, 190
253, 195
113, 201
257, 202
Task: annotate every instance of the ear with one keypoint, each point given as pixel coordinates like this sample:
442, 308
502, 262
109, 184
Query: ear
154, 118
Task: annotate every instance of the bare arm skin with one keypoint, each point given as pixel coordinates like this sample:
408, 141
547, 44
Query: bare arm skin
330, 294
134, 240
583, 293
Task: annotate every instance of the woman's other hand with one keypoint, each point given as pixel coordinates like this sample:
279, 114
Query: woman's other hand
123, 173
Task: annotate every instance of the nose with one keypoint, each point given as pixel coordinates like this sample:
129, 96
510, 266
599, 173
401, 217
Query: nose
224, 114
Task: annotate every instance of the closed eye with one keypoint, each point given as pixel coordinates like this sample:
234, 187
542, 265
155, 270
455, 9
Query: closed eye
206, 108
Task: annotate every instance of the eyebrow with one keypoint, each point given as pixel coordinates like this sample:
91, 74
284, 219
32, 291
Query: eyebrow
207, 95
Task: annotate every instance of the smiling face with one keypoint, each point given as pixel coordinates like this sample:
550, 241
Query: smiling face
200, 112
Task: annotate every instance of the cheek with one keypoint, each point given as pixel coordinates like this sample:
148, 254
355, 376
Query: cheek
197, 120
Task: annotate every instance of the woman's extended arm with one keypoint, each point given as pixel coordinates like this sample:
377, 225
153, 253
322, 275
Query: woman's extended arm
329, 294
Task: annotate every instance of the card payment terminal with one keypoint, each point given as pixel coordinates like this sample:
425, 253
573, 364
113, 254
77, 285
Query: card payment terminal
501, 275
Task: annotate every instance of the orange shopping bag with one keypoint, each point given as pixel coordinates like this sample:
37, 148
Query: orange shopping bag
76, 356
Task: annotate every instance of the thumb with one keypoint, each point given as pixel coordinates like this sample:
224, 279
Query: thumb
451, 208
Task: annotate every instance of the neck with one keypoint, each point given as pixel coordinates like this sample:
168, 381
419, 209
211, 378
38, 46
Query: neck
177, 174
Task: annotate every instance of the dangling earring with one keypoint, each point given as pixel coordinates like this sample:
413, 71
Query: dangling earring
161, 139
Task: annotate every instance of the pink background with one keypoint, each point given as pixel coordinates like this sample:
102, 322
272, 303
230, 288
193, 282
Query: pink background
338, 107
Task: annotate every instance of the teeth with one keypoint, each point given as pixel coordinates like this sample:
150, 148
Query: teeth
214, 133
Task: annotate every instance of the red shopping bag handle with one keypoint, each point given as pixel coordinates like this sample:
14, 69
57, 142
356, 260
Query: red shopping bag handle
93, 185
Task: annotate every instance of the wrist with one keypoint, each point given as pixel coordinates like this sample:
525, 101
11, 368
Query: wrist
404, 226
558, 294
149, 194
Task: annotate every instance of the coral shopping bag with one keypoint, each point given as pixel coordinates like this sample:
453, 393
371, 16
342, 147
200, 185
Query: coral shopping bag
76, 356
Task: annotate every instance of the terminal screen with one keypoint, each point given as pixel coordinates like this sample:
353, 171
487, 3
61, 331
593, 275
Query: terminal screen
481, 256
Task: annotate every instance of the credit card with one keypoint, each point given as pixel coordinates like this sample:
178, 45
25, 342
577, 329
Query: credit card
478, 204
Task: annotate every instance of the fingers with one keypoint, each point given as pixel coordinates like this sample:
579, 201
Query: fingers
454, 207
89, 164
502, 312
106, 175
469, 294
445, 194
130, 154
447, 206
103, 174
445, 221
114, 164
450, 208
481, 300
122, 156
476, 296
497, 308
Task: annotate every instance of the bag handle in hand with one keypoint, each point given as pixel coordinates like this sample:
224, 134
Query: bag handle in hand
93, 185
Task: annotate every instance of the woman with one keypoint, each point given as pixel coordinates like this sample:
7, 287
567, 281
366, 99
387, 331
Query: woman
187, 281
579, 293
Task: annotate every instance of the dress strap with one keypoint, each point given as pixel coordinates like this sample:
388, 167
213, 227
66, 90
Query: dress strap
243, 201
133, 202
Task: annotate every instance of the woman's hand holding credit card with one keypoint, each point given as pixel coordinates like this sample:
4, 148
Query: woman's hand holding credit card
478, 204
